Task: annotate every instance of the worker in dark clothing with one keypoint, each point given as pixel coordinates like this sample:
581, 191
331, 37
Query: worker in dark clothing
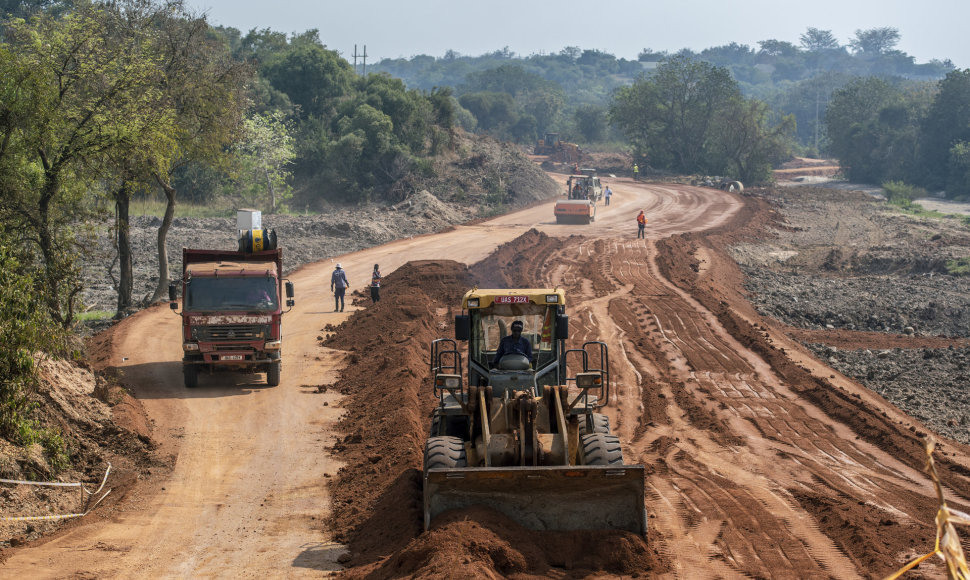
514, 343
338, 285
375, 284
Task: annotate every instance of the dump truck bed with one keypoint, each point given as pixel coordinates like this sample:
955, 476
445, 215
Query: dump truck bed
544, 498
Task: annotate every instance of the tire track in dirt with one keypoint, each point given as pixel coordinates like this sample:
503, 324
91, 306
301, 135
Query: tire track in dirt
727, 503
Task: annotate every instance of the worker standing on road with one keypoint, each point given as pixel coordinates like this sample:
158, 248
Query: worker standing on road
641, 225
375, 284
608, 194
636, 172
338, 285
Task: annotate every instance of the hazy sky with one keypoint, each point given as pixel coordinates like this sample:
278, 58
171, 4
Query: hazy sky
929, 28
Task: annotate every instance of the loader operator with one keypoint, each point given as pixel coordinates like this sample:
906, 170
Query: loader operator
514, 343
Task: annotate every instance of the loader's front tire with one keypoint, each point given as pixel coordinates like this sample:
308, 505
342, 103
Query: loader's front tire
444, 452
601, 449
601, 424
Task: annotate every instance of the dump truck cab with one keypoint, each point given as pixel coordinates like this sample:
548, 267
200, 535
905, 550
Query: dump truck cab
511, 429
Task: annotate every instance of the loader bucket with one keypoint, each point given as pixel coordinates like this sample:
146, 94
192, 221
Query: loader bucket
544, 498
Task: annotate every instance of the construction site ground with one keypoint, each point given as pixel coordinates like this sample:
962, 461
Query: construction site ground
777, 359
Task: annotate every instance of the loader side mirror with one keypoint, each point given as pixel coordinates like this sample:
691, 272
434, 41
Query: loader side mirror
289, 289
463, 327
172, 291
562, 326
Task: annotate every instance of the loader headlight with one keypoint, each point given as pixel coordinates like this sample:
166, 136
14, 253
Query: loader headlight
552, 299
589, 380
448, 381
273, 344
190, 346
473, 302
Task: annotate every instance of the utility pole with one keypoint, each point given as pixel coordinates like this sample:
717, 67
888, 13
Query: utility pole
364, 60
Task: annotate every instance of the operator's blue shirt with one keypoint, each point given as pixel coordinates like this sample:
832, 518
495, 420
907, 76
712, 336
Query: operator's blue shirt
511, 345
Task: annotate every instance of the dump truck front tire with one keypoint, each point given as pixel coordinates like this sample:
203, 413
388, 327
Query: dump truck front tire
273, 374
191, 375
601, 449
444, 452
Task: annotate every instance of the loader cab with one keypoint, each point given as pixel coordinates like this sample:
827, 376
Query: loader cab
489, 318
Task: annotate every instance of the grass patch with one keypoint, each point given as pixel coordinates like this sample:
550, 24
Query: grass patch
94, 315
958, 267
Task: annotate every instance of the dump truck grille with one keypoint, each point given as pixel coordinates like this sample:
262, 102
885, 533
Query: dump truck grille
240, 332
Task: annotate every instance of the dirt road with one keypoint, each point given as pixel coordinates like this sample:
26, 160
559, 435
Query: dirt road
761, 461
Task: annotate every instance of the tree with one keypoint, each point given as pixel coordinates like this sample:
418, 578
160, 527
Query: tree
747, 145
591, 122
669, 116
88, 101
204, 88
264, 153
816, 40
947, 123
777, 48
875, 40
312, 76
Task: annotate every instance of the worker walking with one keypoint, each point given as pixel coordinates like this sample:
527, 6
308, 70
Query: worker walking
641, 225
607, 194
375, 284
636, 172
338, 285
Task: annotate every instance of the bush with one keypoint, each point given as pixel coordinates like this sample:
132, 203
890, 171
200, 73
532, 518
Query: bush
897, 191
26, 332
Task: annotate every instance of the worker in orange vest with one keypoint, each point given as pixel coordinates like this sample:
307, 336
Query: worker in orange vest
641, 225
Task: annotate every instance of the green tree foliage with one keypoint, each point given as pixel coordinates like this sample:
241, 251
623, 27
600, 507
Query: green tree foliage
947, 124
668, 118
591, 121
874, 129
264, 154
875, 40
313, 77
816, 40
26, 332
77, 101
690, 117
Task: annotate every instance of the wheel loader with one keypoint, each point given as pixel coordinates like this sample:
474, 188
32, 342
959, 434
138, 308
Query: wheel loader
520, 433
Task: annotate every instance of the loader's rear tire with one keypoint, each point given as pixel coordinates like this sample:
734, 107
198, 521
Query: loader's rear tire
444, 452
273, 374
601, 449
190, 373
601, 424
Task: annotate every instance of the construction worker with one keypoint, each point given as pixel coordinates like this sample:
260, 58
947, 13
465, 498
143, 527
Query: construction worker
636, 172
514, 343
641, 225
338, 285
375, 284
608, 194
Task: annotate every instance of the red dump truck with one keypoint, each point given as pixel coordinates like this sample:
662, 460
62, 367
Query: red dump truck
233, 307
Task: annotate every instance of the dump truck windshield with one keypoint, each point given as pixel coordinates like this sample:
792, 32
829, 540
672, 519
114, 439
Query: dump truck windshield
489, 326
225, 293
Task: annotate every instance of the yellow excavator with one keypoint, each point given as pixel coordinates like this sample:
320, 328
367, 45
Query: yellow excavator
517, 430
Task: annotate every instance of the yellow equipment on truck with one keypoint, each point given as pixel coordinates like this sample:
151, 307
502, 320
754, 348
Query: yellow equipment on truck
522, 435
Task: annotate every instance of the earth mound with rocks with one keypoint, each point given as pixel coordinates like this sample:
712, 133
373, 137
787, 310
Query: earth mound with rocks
864, 272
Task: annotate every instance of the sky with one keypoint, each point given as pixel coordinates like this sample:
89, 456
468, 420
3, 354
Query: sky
929, 29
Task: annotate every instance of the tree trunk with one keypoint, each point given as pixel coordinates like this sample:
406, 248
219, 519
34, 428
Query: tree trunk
126, 279
161, 290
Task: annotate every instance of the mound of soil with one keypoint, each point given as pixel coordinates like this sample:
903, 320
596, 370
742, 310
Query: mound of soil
377, 507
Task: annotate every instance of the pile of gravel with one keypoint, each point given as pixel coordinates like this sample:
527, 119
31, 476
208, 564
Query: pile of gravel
931, 385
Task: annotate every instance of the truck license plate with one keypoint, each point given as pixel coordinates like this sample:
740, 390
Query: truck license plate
231, 357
